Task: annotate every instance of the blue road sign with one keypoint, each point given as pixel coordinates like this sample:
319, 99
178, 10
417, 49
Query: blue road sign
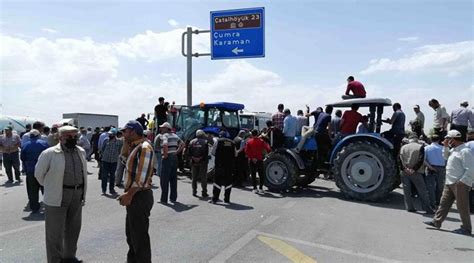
238, 33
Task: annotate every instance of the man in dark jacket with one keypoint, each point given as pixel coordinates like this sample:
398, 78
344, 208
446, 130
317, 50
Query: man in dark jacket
224, 162
199, 151
30, 152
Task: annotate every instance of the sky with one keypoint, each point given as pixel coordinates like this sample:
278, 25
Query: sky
118, 57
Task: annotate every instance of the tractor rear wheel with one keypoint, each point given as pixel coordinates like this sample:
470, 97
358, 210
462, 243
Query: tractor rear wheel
364, 171
280, 172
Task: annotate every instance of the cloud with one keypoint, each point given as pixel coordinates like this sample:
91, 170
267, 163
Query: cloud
408, 39
173, 23
49, 30
81, 75
453, 59
156, 46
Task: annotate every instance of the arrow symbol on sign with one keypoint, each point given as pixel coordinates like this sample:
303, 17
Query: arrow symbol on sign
237, 50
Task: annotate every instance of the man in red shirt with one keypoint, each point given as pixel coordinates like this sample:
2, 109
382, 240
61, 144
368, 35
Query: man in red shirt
350, 120
356, 87
254, 149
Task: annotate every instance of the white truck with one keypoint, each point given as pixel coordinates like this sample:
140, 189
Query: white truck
89, 120
254, 120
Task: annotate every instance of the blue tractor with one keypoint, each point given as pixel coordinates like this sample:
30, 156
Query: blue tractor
211, 118
363, 165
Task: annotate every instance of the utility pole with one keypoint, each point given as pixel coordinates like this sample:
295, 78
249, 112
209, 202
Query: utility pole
189, 60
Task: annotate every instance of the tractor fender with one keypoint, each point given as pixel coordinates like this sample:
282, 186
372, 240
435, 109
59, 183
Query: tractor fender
372, 137
293, 155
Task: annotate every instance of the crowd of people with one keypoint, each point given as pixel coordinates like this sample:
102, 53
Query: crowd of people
438, 167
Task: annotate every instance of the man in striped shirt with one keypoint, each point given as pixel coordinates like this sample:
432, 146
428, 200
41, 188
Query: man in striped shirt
171, 145
138, 197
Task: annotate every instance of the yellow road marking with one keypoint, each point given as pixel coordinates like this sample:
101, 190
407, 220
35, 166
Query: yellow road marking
286, 250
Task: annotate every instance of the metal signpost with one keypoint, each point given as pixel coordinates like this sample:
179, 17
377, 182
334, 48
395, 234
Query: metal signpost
234, 34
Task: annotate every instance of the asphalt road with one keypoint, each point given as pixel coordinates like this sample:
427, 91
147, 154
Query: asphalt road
308, 225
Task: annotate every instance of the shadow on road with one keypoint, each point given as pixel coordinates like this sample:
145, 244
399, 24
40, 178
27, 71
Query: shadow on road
235, 206
8, 185
180, 207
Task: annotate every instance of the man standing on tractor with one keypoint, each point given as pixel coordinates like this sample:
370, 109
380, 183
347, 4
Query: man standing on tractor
460, 119
441, 118
322, 135
358, 90
160, 112
418, 123
278, 117
397, 132
290, 125
224, 161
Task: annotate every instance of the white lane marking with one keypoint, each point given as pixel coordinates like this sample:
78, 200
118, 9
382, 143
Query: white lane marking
234, 247
20, 229
335, 249
289, 204
269, 220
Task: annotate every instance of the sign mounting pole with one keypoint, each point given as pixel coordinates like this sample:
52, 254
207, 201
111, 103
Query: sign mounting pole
189, 60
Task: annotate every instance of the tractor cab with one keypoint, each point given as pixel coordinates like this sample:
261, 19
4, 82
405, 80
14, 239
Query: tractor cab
209, 117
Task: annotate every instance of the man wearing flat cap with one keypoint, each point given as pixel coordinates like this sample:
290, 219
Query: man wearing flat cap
62, 171
460, 119
459, 180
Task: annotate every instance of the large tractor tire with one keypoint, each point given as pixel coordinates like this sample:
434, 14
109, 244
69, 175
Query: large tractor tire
305, 180
364, 171
280, 172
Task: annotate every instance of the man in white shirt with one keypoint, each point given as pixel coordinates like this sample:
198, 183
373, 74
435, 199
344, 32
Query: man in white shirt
459, 180
460, 119
441, 117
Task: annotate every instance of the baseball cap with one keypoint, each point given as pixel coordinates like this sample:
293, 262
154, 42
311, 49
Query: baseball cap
165, 125
453, 134
416, 106
113, 131
9, 127
465, 103
134, 125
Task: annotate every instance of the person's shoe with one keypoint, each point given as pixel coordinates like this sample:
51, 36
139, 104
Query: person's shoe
227, 202
431, 224
261, 191
113, 193
103, 193
19, 180
462, 231
195, 194
204, 195
163, 202
212, 202
412, 210
9, 182
255, 190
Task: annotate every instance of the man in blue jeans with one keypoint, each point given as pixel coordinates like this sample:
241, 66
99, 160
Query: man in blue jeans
435, 174
110, 155
171, 145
